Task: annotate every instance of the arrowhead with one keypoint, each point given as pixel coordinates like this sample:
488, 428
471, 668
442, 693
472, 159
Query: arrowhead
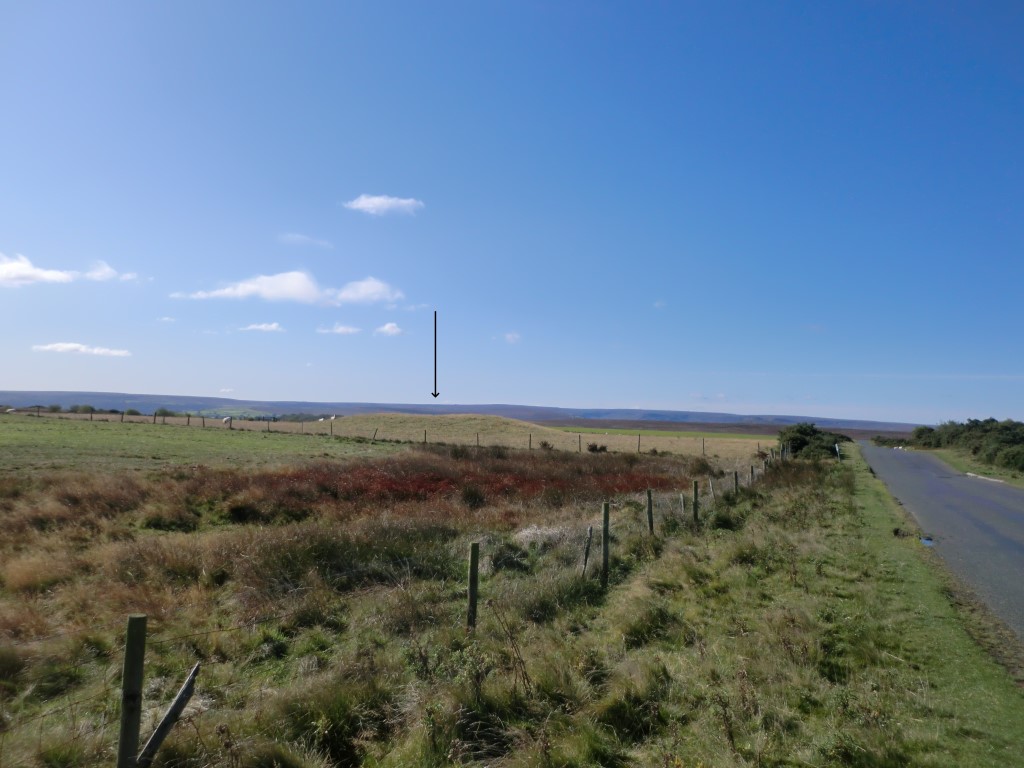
435, 394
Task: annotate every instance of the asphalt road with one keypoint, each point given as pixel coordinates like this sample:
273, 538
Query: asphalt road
977, 525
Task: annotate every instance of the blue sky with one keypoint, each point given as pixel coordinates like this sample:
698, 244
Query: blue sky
800, 208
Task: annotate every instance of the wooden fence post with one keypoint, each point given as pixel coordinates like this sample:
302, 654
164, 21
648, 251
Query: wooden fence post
424, 437
638, 443
169, 719
204, 421
580, 438
650, 512
735, 481
605, 543
474, 575
131, 692
586, 549
154, 417
702, 446
751, 474
374, 438
122, 417
711, 485
696, 502
839, 454
531, 441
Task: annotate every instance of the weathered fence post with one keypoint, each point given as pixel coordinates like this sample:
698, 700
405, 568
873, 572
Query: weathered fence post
696, 502
702, 446
477, 439
711, 485
154, 417
650, 511
531, 441
474, 576
372, 439
586, 549
122, 417
638, 442
735, 481
170, 718
839, 454
751, 474
204, 422
580, 439
188, 419
605, 543
424, 437
131, 691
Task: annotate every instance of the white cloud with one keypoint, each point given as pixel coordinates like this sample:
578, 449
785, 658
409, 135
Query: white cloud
20, 271
284, 286
294, 238
301, 287
389, 329
81, 349
342, 330
226, 390
378, 205
100, 272
265, 327
166, 320
368, 291
512, 337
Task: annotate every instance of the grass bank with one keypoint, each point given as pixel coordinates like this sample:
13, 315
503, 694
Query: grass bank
964, 462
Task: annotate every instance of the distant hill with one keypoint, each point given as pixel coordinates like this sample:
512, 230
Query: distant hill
222, 406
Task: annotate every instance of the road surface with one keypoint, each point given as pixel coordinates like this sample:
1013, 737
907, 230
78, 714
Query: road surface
977, 525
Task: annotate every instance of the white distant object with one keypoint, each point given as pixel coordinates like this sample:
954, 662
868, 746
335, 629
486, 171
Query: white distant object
334, 417
226, 420
12, 410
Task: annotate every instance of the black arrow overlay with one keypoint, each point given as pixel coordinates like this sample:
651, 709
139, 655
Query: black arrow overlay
435, 393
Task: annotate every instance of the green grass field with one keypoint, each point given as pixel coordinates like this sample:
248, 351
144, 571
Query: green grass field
30, 444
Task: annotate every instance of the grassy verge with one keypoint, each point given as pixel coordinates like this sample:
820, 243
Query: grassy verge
964, 462
326, 603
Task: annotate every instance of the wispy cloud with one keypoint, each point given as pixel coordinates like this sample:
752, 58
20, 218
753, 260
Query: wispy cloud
378, 205
284, 286
294, 238
264, 327
368, 291
21, 271
389, 329
512, 337
166, 320
226, 390
100, 272
80, 349
301, 287
341, 330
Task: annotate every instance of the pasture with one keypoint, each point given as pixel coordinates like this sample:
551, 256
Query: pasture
324, 598
469, 430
